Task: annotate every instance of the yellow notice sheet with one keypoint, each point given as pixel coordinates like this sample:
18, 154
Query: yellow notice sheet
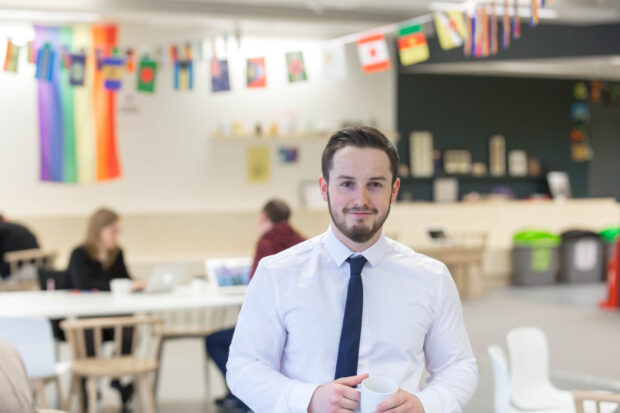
259, 164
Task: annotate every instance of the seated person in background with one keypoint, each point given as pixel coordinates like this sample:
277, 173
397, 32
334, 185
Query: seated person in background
13, 237
99, 259
93, 265
276, 235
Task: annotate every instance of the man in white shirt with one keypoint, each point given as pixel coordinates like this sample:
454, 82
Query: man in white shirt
320, 317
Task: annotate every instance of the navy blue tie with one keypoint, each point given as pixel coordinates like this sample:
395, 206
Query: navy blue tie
349, 348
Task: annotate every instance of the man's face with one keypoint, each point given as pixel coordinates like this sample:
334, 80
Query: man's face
359, 191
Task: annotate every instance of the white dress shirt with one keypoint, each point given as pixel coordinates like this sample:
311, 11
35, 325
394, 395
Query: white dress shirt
287, 335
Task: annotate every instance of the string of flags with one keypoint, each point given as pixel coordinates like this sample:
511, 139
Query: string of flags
475, 30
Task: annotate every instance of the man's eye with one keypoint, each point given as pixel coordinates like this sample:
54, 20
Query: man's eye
376, 184
346, 184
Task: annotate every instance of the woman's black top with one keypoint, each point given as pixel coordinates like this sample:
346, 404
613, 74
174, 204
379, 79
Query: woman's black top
86, 273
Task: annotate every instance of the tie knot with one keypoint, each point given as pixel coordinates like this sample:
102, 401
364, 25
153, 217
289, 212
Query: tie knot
356, 263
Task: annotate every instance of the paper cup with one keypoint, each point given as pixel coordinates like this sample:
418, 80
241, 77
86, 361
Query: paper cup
374, 390
120, 286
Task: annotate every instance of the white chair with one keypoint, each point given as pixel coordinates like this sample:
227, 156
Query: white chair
501, 400
32, 337
529, 374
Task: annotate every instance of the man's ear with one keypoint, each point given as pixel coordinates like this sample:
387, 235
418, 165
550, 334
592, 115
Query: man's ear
323, 187
395, 188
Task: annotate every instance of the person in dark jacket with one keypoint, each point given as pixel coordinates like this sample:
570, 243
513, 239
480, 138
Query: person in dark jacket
14, 237
93, 264
276, 235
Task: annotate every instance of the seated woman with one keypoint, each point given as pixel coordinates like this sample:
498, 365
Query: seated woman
93, 265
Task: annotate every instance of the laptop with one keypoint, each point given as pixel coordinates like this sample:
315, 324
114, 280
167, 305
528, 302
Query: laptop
165, 277
229, 275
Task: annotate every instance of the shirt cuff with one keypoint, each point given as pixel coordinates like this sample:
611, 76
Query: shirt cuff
429, 400
300, 396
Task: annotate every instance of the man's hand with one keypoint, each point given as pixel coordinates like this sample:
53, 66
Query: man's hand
338, 396
402, 402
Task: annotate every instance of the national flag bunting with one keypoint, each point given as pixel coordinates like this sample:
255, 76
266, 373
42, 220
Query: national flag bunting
450, 28
412, 45
534, 19
516, 27
146, 75
77, 72
45, 63
506, 27
183, 75
373, 53
12, 57
112, 68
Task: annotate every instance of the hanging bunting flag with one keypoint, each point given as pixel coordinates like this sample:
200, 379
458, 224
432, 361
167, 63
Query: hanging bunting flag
474, 33
450, 28
220, 82
45, 63
516, 28
494, 30
295, 67
183, 75
412, 45
113, 72
256, 72
373, 53
65, 57
78, 70
506, 27
174, 54
158, 54
485, 34
189, 55
479, 32
12, 57
146, 75
130, 60
32, 56
535, 19
199, 48
334, 62
468, 40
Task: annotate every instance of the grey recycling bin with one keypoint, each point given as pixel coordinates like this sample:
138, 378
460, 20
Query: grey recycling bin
534, 258
582, 257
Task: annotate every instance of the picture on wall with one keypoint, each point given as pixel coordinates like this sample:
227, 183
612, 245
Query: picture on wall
258, 164
295, 67
256, 72
220, 82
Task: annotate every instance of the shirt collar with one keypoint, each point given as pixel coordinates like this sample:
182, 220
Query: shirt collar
340, 252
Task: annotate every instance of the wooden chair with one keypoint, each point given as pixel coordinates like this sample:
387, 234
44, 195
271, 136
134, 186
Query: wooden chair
92, 368
196, 324
463, 255
38, 257
598, 398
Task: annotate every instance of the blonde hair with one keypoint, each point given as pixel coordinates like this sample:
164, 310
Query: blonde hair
100, 219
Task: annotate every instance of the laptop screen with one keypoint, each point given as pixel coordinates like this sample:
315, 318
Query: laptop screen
230, 272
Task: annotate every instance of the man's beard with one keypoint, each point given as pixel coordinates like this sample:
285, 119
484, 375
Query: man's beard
358, 233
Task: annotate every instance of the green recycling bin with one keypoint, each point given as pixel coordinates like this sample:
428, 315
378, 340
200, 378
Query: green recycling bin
609, 236
535, 257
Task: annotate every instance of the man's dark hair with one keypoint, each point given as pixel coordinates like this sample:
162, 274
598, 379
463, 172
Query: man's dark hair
277, 211
362, 137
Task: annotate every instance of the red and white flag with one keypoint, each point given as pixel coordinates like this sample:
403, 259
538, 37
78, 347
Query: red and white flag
374, 54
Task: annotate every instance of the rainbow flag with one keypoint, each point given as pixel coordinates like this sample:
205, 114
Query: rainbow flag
76, 125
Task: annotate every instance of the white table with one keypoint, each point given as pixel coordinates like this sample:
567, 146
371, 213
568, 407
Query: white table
68, 304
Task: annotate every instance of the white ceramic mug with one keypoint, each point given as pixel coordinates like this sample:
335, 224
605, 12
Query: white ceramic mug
120, 286
374, 390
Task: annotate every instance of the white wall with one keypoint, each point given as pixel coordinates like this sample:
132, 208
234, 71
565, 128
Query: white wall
169, 161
